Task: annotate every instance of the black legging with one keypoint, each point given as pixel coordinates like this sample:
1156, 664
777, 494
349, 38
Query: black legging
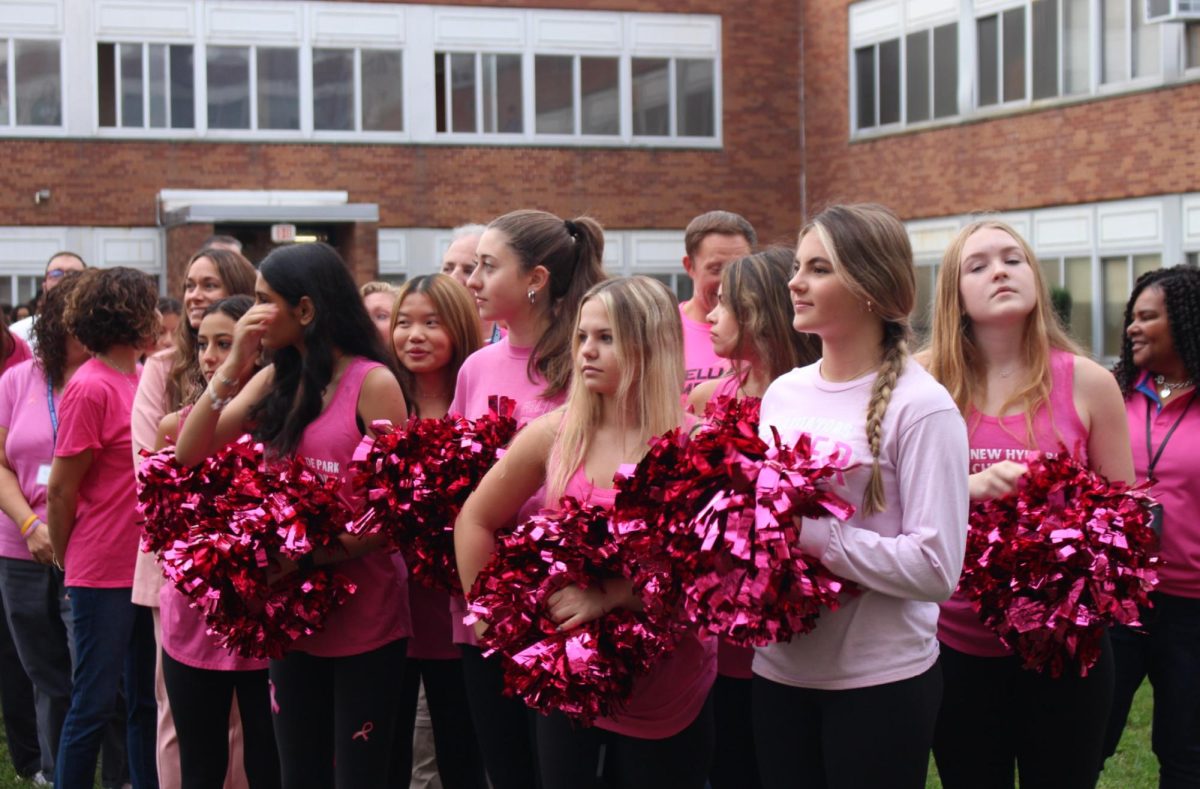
503, 725
569, 755
201, 700
734, 763
996, 716
861, 737
336, 717
458, 761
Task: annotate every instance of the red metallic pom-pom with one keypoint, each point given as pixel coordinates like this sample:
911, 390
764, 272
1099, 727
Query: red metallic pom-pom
588, 671
1054, 564
720, 550
417, 478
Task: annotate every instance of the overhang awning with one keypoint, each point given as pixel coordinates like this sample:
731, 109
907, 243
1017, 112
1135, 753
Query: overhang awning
211, 206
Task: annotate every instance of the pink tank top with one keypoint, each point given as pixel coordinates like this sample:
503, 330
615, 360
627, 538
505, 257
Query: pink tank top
376, 614
665, 701
994, 439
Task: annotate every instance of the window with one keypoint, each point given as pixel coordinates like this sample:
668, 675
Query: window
1001, 57
479, 87
1191, 33
253, 88
372, 101
1192, 259
678, 283
1074, 274
1130, 45
146, 86
20, 289
922, 315
596, 91
929, 76
35, 83
1118, 273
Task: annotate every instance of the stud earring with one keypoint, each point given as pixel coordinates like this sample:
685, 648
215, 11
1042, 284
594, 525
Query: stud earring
532, 296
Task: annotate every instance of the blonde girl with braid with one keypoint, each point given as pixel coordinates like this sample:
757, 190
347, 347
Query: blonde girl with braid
854, 702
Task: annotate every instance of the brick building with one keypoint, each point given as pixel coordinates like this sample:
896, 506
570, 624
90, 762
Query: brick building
132, 129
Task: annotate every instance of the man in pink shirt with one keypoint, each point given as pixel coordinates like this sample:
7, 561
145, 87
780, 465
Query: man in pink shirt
711, 240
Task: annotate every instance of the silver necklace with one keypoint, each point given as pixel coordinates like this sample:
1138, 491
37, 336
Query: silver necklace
1166, 388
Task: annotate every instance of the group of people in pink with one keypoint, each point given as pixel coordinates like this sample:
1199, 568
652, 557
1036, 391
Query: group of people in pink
293, 352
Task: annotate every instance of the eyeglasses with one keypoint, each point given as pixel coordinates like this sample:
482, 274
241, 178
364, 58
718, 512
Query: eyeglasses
56, 273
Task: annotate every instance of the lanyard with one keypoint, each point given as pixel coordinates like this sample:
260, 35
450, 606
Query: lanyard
1151, 455
53, 410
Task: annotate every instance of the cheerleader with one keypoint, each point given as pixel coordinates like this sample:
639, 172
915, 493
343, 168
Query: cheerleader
337, 691
853, 703
1024, 389
434, 328
201, 676
628, 355
533, 271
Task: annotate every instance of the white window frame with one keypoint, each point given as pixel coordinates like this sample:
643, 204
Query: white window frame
9, 125
334, 135
150, 131
1130, 82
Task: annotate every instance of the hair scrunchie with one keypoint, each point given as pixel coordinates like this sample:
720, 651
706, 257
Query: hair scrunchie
572, 229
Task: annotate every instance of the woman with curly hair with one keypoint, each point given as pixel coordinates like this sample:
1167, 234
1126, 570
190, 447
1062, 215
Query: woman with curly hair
92, 519
30, 585
1157, 373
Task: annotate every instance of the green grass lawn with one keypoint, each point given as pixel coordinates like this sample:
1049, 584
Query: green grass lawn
1133, 766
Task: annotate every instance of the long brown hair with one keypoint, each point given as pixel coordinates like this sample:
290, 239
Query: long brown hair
954, 358
185, 380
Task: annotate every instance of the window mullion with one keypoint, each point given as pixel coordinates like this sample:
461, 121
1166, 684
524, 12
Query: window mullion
145, 86
577, 93
479, 96
672, 100
359, 110
118, 88
253, 71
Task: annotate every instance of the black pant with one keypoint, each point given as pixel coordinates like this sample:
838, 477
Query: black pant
734, 763
17, 706
336, 717
503, 725
863, 737
200, 701
569, 755
996, 715
459, 764
1169, 653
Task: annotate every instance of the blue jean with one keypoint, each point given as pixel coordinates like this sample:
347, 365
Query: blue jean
114, 641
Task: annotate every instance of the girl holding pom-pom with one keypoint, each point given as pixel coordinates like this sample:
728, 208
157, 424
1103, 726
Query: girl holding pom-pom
853, 703
202, 677
752, 327
1023, 388
337, 691
533, 269
627, 389
434, 327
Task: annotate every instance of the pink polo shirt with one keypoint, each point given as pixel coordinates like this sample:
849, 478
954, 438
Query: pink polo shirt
28, 445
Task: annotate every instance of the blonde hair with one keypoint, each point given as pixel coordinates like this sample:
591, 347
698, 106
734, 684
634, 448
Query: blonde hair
457, 313
954, 358
376, 287
872, 256
648, 340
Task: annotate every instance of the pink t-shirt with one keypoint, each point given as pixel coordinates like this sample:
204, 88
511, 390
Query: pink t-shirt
700, 361
666, 700
20, 353
994, 439
94, 414
28, 445
376, 614
184, 633
496, 369
1178, 486
148, 411
906, 559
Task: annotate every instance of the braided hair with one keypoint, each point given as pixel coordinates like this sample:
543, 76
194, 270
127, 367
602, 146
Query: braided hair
1180, 286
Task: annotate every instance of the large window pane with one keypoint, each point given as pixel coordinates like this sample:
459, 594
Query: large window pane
158, 85
502, 108
131, 84
39, 83
1045, 48
183, 90
1145, 263
987, 42
916, 59
945, 70
462, 92
694, 91
1192, 44
1116, 286
601, 102
1079, 282
926, 280
278, 88
106, 82
651, 96
554, 94
1115, 40
333, 89
1051, 272
1146, 38
864, 84
1014, 54
1077, 72
228, 87
889, 82
382, 90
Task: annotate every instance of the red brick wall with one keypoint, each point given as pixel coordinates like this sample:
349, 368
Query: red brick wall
1126, 146
756, 173
183, 241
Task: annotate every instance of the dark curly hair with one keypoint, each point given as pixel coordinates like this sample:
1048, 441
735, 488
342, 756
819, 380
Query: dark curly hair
340, 322
50, 333
113, 306
1180, 286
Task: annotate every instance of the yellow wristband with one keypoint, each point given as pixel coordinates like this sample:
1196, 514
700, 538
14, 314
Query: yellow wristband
27, 526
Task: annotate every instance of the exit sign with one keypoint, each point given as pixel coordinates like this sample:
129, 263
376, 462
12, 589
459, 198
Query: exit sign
283, 234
